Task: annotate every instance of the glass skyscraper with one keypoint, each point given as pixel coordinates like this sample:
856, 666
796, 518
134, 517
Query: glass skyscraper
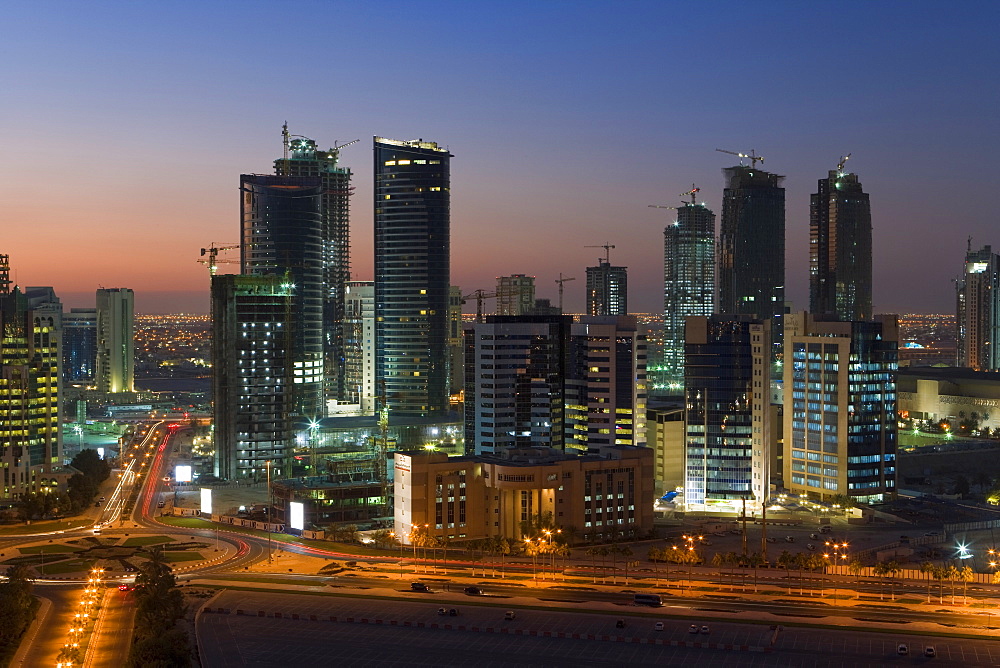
840, 249
607, 289
978, 301
412, 275
283, 233
751, 270
688, 285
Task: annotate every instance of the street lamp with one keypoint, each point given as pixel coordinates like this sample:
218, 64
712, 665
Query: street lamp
399, 540
267, 465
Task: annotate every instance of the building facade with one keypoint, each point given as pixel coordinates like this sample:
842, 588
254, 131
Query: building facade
596, 497
412, 274
253, 380
688, 285
607, 289
79, 349
115, 340
840, 249
359, 345
840, 408
606, 384
30, 441
978, 310
515, 295
304, 159
728, 442
282, 232
751, 257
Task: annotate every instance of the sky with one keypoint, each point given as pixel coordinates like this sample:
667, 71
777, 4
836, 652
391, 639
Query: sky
127, 124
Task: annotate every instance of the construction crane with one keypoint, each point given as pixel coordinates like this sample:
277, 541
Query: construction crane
694, 191
480, 295
560, 281
752, 155
607, 252
286, 143
840, 165
213, 260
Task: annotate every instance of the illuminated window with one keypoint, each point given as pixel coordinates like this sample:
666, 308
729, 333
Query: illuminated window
402, 162
390, 163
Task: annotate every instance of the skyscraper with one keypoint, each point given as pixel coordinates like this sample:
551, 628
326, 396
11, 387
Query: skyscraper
359, 345
728, 442
840, 249
253, 339
282, 232
840, 430
607, 289
303, 159
978, 297
79, 349
751, 269
515, 294
688, 284
412, 274
30, 444
115, 340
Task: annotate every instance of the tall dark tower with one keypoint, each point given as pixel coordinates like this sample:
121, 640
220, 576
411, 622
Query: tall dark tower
283, 234
751, 269
688, 284
412, 275
302, 158
607, 289
840, 249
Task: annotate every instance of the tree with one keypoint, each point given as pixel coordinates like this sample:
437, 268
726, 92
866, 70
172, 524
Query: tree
927, 568
159, 601
965, 575
89, 463
626, 552
855, 568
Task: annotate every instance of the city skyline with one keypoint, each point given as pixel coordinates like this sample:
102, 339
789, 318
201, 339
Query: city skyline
114, 85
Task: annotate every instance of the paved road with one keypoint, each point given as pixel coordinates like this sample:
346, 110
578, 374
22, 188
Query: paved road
231, 640
112, 637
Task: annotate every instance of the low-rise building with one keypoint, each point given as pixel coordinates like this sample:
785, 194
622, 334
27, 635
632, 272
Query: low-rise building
598, 496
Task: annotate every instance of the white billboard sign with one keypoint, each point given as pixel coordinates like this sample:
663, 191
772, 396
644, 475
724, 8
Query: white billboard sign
182, 473
297, 515
206, 501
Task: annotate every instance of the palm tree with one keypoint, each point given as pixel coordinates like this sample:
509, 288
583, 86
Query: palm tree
952, 574
927, 568
892, 569
786, 561
592, 552
626, 552
965, 575
940, 574
855, 568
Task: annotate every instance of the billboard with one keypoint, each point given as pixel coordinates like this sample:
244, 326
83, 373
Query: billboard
297, 515
206, 501
182, 473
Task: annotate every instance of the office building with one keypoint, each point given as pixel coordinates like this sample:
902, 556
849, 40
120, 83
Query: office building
728, 423
282, 232
840, 430
607, 289
978, 300
30, 445
515, 295
412, 275
840, 249
456, 345
115, 340
515, 392
304, 159
606, 383
253, 377
599, 497
359, 345
688, 285
751, 257
79, 345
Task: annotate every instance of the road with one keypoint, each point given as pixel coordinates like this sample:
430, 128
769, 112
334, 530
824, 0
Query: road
112, 636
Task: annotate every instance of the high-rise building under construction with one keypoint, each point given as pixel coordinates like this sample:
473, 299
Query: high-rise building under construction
978, 301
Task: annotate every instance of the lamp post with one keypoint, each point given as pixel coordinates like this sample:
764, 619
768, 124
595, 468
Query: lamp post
837, 555
534, 564
268, 513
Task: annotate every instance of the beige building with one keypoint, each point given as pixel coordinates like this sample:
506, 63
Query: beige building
602, 495
665, 437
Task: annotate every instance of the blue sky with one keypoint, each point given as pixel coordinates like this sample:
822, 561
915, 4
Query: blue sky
127, 126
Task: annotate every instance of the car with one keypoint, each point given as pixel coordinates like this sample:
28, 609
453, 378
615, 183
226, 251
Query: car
442, 611
658, 626
706, 542
97, 504
97, 531
166, 478
789, 539
814, 536
771, 539
620, 624
704, 629
473, 591
161, 504
103, 498
902, 649
693, 628
509, 614
126, 587
810, 547
929, 651
419, 586
931, 534
453, 612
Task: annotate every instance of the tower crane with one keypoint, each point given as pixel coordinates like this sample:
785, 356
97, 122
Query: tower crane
560, 281
607, 251
840, 165
286, 143
213, 260
480, 295
693, 192
752, 155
